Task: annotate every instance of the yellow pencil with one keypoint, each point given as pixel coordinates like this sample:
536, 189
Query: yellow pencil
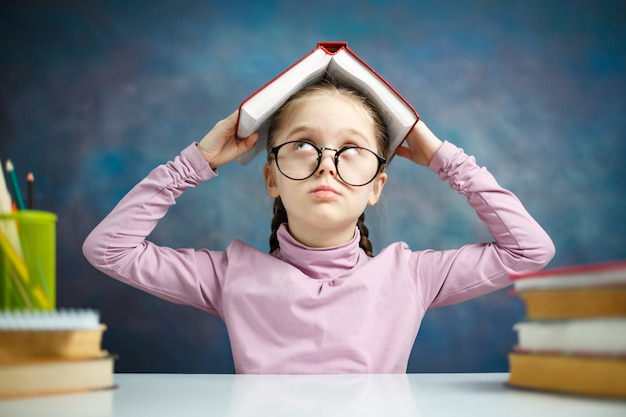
7, 225
9, 252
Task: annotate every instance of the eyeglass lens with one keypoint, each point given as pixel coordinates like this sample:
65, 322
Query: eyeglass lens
299, 160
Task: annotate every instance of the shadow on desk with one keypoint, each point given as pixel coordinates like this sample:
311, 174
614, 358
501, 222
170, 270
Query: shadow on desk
327, 395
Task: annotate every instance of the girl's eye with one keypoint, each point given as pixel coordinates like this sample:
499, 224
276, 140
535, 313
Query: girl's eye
350, 151
303, 146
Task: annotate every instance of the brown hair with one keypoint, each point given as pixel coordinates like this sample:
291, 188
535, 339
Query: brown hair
325, 86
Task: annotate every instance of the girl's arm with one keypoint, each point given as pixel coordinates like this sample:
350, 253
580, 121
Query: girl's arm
521, 244
118, 245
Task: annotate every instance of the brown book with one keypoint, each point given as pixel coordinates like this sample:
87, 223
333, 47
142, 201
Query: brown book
581, 375
574, 303
50, 377
24, 345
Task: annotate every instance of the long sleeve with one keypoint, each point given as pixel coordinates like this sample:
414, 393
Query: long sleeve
118, 245
521, 244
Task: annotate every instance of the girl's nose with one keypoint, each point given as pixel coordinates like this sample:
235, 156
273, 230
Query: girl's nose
327, 164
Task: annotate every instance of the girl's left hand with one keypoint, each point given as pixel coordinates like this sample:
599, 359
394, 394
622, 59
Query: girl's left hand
421, 145
221, 146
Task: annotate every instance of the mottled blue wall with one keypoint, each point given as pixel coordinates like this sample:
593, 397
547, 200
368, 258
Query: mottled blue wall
94, 94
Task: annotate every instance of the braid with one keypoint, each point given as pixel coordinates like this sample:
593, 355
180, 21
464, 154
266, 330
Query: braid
365, 243
280, 217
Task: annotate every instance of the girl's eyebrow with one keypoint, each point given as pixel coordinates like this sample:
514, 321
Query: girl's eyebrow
301, 128
347, 132
355, 132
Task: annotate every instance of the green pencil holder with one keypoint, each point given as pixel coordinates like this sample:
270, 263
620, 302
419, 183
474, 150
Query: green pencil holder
28, 260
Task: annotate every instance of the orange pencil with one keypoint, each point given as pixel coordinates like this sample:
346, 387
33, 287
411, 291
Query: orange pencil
30, 181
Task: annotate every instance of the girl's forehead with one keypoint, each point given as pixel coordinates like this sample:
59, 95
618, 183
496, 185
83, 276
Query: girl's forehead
330, 107
330, 114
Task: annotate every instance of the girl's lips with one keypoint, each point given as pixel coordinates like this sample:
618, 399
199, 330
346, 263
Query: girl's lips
325, 192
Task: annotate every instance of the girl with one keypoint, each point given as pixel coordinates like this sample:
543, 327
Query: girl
320, 302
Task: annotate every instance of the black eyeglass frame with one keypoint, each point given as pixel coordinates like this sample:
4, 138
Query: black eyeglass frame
320, 152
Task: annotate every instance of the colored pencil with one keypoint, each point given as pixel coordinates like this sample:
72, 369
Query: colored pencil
15, 185
30, 181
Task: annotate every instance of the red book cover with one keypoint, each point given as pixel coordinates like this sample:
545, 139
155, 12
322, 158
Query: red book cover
594, 268
577, 276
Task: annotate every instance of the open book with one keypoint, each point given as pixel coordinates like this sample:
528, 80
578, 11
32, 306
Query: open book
340, 62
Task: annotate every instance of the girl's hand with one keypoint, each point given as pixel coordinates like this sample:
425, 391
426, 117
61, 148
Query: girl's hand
422, 145
220, 146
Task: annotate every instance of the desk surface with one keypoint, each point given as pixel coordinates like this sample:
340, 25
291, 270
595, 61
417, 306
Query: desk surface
415, 395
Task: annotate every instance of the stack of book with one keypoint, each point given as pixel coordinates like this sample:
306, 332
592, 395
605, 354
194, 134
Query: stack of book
52, 352
573, 338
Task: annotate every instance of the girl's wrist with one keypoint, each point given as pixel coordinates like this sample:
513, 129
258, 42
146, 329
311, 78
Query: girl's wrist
205, 155
429, 143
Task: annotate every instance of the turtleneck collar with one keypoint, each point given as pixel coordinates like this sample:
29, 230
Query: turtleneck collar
320, 263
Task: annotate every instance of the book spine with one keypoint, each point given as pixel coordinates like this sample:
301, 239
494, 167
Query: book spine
332, 48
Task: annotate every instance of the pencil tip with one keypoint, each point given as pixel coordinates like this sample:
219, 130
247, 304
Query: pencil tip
30, 177
9, 165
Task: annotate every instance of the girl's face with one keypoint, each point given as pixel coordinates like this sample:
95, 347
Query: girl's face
322, 210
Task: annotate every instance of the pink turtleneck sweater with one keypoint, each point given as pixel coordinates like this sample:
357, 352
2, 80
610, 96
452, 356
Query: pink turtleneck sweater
306, 310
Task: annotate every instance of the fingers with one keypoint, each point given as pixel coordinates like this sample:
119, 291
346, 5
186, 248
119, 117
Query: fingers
403, 151
228, 126
251, 140
244, 145
220, 146
421, 145
232, 118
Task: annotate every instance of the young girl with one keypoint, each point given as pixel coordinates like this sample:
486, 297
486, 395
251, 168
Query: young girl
319, 302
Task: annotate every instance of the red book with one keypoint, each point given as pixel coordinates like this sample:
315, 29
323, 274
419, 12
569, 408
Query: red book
339, 61
578, 276
581, 291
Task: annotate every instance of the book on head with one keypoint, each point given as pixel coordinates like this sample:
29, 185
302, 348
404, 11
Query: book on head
333, 59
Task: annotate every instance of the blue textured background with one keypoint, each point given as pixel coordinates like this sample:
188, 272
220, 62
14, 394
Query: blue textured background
94, 94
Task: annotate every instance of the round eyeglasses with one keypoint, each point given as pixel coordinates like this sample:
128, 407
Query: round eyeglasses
298, 160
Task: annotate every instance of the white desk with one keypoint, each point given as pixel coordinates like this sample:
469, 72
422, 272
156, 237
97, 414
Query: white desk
415, 395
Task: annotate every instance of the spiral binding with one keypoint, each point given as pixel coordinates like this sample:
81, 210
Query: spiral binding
65, 319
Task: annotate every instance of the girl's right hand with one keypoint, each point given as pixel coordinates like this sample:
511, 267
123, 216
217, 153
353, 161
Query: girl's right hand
421, 145
221, 146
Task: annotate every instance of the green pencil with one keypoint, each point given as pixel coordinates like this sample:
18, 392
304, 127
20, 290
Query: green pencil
14, 184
